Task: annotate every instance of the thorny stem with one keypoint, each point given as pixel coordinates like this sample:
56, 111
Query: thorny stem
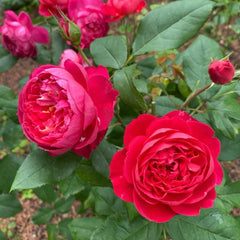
84, 56
194, 94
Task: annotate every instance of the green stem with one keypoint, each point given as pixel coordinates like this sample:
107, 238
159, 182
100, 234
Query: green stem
116, 114
84, 56
193, 95
164, 233
128, 60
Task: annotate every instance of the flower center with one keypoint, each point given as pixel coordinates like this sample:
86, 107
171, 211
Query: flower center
48, 109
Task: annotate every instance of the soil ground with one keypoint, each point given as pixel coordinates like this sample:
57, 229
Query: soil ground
24, 229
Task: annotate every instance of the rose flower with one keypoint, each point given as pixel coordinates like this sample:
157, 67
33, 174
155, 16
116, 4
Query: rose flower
64, 108
19, 35
221, 72
118, 9
168, 166
89, 17
49, 7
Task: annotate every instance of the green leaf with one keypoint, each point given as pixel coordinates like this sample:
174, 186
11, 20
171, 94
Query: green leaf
39, 168
43, 215
123, 82
165, 104
64, 230
2, 236
230, 150
7, 60
8, 169
230, 194
63, 205
9, 206
89, 175
117, 227
171, 26
10, 108
197, 59
43, 54
106, 202
46, 193
147, 65
109, 51
52, 231
212, 223
6, 93
58, 45
223, 124
229, 106
82, 228
102, 156
12, 134
71, 185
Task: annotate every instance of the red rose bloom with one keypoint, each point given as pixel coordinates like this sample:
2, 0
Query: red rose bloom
168, 166
19, 35
70, 107
49, 7
87, 14
221, 72
117, 9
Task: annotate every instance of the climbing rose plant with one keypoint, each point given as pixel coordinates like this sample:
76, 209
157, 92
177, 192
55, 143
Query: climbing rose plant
121, 119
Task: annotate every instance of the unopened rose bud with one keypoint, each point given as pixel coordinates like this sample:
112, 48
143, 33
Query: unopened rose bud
221, 72
69, 30
74, 33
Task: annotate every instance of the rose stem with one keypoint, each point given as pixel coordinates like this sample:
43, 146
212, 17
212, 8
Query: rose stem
164, 233
194, 94
84, 56
119, 118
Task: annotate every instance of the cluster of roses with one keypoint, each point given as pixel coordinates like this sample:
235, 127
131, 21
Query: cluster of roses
168, 165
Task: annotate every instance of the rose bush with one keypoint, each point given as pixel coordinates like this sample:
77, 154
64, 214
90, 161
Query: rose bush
60, 109
19, 35
118, 9
221, 72
168, 166
88, 16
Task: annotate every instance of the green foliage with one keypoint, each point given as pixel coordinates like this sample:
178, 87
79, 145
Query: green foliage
39, 168
155, 83
9, 205
7, 60
123, 82
196, 60
109, 51
43, 215
211, 224
170, 26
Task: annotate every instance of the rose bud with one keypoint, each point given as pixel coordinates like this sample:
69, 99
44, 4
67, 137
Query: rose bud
67, 108
19, 35
118, 9
221, 72
168, 166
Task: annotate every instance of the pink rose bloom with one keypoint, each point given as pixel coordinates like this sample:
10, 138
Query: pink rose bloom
221, 72
51, 6
117, 9
72, 55
168, 166
64, 108
87, 14
19, 35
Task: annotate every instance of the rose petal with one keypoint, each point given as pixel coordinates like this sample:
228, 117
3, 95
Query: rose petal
157, 213
137, 127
